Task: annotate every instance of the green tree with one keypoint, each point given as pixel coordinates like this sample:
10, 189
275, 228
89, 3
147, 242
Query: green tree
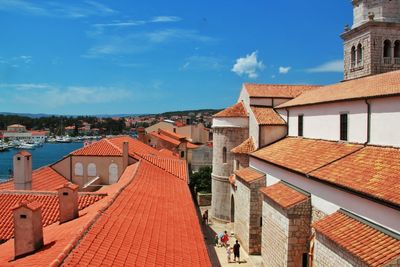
201, 180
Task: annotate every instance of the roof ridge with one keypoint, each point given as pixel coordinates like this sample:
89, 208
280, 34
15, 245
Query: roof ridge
115, 146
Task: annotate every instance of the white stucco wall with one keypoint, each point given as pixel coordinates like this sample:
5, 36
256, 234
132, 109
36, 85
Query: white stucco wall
328, 199
271, 134
323, 121
385, 121
230, 122
256, 101
244, 97
254, 128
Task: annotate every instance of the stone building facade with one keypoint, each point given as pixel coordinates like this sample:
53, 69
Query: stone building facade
372, 46
225, 138
248, 209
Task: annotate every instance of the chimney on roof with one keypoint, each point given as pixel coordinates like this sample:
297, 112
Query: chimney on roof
125, 155
68, 202
22, 163
28, 227
141, 132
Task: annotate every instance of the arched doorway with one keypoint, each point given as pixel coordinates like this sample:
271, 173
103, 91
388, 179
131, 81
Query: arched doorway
232, 209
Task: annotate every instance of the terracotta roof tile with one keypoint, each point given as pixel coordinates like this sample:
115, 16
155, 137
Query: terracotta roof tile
43, 179
136, 148
304, 155
283, 195
245, 148
277, 90
267, 116
367, 243
237, 110
373, 171
175, 167
101, 148
249, 174
172, 138
47, 200
168, 153
24, 153
153, 222
372, 86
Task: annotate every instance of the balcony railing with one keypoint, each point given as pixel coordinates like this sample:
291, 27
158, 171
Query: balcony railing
387, 60
397, 60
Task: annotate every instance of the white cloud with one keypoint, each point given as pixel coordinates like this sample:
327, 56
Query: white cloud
54, 9
248, 65
54, 96
284, 70
330, 66
202, 63
166, 19
142, 41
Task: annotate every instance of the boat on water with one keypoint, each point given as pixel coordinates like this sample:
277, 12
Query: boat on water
64, 139
26, 146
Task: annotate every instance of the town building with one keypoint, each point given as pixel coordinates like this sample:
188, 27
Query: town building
20, 133
133, 221
312, 178
195, 133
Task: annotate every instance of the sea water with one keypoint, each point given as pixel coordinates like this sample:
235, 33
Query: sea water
41, 156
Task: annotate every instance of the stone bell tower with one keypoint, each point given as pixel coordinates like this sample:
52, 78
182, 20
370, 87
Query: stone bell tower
372, 44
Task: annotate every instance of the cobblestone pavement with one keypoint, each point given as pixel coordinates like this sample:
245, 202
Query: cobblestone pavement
218, 254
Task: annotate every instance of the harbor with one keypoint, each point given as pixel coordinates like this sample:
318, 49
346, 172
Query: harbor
43, 155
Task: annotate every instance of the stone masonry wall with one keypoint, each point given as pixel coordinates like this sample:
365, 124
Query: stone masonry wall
299, 232
275, 228
328, 254
220, 187
316, 214
242, 214
256, 202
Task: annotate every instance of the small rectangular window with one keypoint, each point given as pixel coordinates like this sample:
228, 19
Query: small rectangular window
343, 126
300, 125
22, 216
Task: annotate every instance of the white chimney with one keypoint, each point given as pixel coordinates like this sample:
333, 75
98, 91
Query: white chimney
22, 171
68, 202
28, 227
125, 155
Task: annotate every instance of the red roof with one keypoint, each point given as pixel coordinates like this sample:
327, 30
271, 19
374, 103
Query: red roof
168, 153
175, 167
372, 246
172, 138
372, 171
304, 155
386, 84
277, 90
283, 195
136, 148
24, 153
47, 200
43, 179
153, 222
246, 147
267, 116
237, 110
101, 148
249, 174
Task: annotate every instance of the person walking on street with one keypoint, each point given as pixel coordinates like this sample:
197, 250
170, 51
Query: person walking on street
225, 239
229, 252
205, 217
236, 251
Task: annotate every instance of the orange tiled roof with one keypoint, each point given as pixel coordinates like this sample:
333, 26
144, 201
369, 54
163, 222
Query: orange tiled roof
153, 222
267, 116
101, 148
48, 200
175, 167
304, 155
245, 148
167, 153
385, 84
236, 110
283, 195
277, 90
171, 134
367, 243
373, 171
165, 138
43, 179
172, 138
136, 148
249, 174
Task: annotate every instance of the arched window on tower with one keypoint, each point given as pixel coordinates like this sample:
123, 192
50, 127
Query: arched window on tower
397, 52
224, 155
359, 55
353, 56
387, 53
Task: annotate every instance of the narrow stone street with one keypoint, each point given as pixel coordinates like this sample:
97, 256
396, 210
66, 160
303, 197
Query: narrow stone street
218, 254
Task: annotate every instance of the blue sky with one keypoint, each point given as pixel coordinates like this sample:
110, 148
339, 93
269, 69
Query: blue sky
95, 57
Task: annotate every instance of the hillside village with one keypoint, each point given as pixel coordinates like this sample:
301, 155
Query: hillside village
302, 175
